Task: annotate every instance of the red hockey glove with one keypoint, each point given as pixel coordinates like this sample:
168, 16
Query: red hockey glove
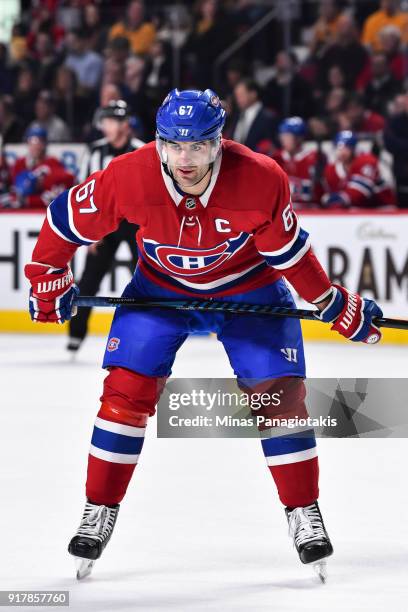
52, 293
352, 316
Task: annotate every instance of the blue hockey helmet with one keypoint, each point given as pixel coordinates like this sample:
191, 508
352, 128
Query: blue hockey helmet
346, 138
36, 132
293, 125
190, 115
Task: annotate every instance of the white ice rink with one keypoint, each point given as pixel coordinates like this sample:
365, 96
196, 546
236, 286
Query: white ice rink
201, 526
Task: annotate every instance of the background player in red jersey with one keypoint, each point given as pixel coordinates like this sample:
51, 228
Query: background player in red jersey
38, 178
216, 220
303, 166
354, 179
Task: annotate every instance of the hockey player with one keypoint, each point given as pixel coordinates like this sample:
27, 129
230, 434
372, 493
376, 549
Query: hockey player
354, 179
37, 178
114, 123
303, 166
215, 220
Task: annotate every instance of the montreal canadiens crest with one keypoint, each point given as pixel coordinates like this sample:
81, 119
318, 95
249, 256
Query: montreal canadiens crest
183, 261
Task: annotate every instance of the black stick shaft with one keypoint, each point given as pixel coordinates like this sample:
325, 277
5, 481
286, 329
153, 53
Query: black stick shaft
220, 306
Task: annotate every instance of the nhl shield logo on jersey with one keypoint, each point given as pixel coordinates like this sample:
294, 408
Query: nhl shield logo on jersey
190, 203
113, 344
191, 262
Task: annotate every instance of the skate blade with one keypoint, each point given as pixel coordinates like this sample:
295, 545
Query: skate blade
320, 567
84, 567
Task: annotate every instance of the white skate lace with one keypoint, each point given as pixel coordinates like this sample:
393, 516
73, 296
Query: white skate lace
305, 525
97, 522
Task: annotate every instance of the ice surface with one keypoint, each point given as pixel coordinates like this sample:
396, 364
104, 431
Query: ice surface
201, 526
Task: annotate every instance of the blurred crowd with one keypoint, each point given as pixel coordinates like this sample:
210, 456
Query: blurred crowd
336, 71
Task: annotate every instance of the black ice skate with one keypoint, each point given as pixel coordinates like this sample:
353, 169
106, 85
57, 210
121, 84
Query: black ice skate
92, 536
310, 537
73, 346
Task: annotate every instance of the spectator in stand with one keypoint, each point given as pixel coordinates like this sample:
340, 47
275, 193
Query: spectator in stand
7, 74
396, 141
118, 49
303, 165
114, 73
346, 52
354, 179
140, 33
211, 33
87, 64
326, 125
135, 92
42, 19
359, 119
255, 126
235, 71
69, 13
158, 72
46, 118
11, 128
96, 32
382, 87
389, 13
25, 95
74, 108
37, 178
46, 60
325, 28
107, 93
287, 93
390, 38
18, 47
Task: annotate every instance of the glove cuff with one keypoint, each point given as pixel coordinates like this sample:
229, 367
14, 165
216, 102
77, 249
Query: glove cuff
330, 313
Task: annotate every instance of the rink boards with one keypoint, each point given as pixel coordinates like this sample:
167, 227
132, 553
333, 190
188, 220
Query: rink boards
368, 253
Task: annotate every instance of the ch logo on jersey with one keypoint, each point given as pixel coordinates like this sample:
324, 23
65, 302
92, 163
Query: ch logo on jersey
290, 354
113, 344
190, 262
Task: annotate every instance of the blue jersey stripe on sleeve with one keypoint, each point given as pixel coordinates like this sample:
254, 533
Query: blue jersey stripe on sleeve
59, 220
275, 260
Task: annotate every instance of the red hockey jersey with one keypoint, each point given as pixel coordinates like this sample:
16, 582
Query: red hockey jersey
54, 179
239, 235
361, 183
304, 170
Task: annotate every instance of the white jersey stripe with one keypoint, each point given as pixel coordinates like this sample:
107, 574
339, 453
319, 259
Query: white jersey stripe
292, 457
124, 430
295, 258
99, 453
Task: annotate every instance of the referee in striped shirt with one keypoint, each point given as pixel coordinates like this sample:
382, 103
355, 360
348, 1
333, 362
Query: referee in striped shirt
117, 140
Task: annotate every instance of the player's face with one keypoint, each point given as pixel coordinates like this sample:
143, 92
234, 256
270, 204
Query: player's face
188, 161
36, 147
289, 142
344, 154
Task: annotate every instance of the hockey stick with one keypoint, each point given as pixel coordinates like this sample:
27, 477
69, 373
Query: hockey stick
219, 306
